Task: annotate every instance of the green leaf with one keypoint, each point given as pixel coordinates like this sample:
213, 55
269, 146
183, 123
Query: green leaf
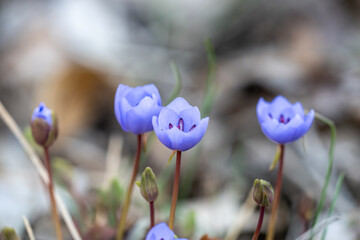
189, 223
116, 192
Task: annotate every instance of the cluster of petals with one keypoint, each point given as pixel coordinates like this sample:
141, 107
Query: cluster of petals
281, 121
135, 107
162, 232
179, 125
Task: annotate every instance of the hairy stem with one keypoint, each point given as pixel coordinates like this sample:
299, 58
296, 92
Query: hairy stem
258, 227
175, 190
54, 213
121, 226
275, 205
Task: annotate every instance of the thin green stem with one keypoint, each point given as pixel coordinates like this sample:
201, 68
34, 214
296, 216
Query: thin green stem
175, 190
258, 227
54, 213
275, 205
121, 225
337, 191
331, 124
152, 214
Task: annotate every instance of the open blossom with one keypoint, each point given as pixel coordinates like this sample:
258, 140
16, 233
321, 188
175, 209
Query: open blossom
135, 107
44, 126
179, 125
161, 232
281, 121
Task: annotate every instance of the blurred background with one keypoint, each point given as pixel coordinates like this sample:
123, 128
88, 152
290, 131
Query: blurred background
73, 54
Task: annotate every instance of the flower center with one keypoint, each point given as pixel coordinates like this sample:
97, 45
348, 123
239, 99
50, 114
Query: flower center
180, 125
282, 119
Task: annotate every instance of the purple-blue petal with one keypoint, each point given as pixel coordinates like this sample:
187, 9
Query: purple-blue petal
309, 118
178, 105
140, 116
166, 117
190, 117
136, 95
298, 108
161, 133
42, 112
135, 107
278, 105
284, 133
119, 110
179, 113
183, 141
281, 133
151, 89
160, 232
281, 121
123, 109
262, 110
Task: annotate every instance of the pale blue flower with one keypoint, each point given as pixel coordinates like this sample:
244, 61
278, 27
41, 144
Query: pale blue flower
135, 107
179, 125
281, 121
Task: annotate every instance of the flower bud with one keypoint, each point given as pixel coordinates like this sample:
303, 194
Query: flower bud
8, 234
148, 186
263, 192
44, 125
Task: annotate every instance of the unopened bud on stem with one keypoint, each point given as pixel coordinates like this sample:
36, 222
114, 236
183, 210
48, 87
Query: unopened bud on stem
263, 192
44, 125
8, 234
148, 186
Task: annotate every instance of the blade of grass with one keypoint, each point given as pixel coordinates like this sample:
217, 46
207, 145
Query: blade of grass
210, 89
336, 195
209, 98
314, 230
331, 124
35, 160
176, 91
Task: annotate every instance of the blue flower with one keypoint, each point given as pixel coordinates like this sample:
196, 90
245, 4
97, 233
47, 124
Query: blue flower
179, 125
281, 121
161, 232
44, 125
134, 107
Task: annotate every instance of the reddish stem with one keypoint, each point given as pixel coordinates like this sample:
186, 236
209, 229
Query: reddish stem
258, 228
152, 215
275, 205
54, 213
121, 226
175, 190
